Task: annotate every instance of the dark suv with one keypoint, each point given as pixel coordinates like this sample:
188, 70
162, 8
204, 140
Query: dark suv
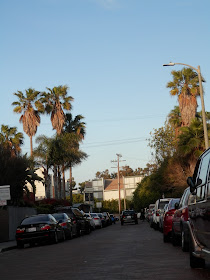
129, 216
199, 212
78, 218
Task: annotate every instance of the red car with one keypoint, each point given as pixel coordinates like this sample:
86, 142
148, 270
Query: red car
180, 228
167, 220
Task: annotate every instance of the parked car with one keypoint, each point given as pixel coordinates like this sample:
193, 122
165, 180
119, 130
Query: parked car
129, 216
91, 221
199, 210
103, 221
180, 229
39, 228
162, 217
67, 224
78, 218
97, 220
107, 218
167, 219
149, 212
159, 206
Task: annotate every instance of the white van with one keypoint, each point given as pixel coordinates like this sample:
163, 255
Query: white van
159, 206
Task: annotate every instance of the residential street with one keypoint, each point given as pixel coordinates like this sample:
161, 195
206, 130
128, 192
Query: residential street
116, 252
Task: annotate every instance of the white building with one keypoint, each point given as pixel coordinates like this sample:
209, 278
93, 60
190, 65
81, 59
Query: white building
108, 189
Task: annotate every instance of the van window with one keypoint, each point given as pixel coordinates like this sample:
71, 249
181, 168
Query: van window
200, 194
204, 168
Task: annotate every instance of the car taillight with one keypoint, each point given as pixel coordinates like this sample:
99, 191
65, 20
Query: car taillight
20, 230
45, 227
169, 213
123, 216
64, 224
96, 218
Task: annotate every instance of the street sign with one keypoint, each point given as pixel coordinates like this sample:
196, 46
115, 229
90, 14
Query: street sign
3, 202
5, 192
99, 204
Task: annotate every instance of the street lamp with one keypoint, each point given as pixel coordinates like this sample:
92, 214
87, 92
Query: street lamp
198, 70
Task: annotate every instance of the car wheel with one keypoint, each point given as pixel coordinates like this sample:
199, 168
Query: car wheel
63, 236
20, 245
71, 234
79, 232
32, 244
196, 262
55, 238
184, 243
88, 230
174, 238
165, 238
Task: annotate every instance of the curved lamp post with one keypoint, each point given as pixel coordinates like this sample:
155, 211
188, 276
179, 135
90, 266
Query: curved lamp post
198, 70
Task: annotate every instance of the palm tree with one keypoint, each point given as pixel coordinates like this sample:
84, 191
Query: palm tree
78, 128
41, 153
30, 116
175, 120
72, 156
55, 101
185, 85
75, 125
191, 142
11, 139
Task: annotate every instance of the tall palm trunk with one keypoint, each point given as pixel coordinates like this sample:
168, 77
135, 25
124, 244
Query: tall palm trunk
31, 145
70, 185
64, 184
188, 107
55, 181
59, 183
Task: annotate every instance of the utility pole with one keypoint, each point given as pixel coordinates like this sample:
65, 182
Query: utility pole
118, 177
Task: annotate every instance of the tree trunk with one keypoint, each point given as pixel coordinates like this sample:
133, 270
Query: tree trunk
70, 185
59, 183
47, 182
188, 106
64, 183
55, 181
31, 145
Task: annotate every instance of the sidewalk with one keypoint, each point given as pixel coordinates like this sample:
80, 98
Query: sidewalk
9, 245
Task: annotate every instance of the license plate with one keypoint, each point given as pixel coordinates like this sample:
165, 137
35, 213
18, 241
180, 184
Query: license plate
128, 217
31, 229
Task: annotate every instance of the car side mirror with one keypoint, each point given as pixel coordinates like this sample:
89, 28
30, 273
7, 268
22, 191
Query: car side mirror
191, 184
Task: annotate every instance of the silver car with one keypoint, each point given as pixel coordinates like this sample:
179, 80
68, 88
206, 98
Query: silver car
96, 220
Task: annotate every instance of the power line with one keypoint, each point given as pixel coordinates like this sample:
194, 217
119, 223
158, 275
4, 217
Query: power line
128, 119
114, 142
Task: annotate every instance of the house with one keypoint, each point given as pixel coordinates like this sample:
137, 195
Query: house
107, 189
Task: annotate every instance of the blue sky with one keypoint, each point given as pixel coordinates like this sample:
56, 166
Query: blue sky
110, 53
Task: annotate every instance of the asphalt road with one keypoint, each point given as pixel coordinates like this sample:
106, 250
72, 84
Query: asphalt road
116, 252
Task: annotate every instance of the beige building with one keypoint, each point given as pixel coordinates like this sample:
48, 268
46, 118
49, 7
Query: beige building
107, 189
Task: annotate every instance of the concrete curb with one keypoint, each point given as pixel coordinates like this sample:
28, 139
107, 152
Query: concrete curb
7, 249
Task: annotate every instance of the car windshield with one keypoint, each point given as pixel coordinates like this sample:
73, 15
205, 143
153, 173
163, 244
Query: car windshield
58, 216
162, 204
172, 203
93, 215
128, 212
36, 220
